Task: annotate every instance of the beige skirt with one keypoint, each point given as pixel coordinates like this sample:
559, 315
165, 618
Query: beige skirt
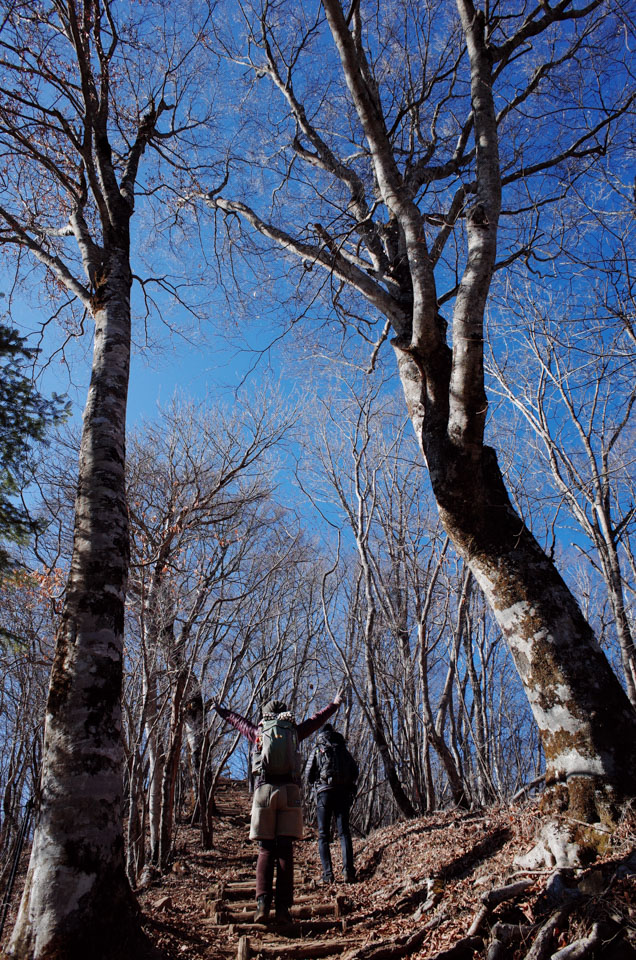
276, 812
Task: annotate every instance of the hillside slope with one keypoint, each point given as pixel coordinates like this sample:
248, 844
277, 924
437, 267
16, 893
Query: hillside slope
438, 887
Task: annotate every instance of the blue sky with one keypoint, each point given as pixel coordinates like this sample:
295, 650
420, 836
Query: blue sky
203, 364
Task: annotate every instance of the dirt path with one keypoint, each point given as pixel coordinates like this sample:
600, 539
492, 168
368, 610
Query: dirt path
205, 908
437, 888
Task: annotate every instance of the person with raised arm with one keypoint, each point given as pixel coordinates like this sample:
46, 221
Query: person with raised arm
277, 818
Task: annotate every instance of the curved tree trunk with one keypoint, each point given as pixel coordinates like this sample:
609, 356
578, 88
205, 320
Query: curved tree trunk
587, 724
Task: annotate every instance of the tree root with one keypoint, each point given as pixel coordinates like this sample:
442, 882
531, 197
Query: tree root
541, 949
508, 892
562, 894
579, 948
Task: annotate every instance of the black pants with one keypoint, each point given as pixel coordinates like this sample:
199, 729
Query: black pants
335, 802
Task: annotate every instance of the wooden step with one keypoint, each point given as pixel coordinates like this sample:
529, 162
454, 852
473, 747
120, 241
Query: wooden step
299, 912
293, 931
250, 904
216, 906
249, 948
242, 889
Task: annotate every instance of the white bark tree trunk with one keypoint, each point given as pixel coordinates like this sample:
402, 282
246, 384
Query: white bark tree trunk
76, 881
587, 724
71, 203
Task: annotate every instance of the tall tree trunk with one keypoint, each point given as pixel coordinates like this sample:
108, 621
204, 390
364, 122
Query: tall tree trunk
171, 770
135, 833
76, 883
485, 789
371, 706
435, 738
77, 902
412, 746
434, 726
376, 722
587, 724
156, 758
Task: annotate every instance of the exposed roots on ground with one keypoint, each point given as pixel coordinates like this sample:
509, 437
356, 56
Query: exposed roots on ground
453, 886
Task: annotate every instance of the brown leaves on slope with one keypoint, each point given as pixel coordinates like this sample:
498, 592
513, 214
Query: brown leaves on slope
431, 875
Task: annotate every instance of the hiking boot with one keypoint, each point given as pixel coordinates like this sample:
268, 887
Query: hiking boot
327, 879
262, 909
350, 876
283, 915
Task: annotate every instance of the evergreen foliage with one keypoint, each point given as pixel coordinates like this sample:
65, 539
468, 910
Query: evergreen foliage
25, 416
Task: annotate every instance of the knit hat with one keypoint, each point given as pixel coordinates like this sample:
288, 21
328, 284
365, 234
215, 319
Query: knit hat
275, 706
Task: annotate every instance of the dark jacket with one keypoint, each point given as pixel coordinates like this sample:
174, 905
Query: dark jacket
326, 738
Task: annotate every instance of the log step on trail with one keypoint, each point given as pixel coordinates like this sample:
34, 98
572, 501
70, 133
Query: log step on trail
213, 904
246, 889
316, 930
305, 911
284, 950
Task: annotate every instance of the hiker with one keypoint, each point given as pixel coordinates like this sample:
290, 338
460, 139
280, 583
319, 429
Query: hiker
277, 817
334, 772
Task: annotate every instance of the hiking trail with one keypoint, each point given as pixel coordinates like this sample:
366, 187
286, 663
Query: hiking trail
438, 888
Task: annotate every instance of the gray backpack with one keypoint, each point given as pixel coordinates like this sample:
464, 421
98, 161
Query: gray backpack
276, 753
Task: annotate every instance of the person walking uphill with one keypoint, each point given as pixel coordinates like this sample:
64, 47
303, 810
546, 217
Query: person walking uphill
334, 772
277, 817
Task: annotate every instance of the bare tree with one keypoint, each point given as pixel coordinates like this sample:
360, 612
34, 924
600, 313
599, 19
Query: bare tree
409, 606
353, 478
199, 493
574, 388
421, 177
83, 98
27, 609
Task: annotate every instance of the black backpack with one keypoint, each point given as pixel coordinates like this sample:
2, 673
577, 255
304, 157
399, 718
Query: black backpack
336, 766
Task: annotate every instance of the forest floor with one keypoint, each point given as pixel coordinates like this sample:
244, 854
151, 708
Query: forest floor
426, 889
442, 887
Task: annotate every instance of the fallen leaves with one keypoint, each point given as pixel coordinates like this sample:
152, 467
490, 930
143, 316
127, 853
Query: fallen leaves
440, 868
